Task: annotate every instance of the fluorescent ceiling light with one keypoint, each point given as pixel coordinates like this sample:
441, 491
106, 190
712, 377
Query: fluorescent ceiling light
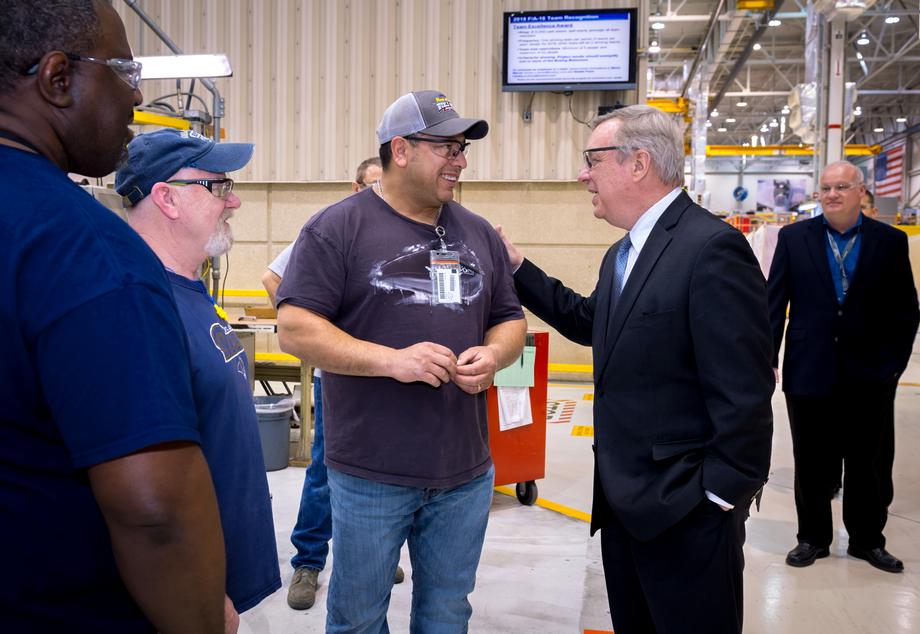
774, 123
721, 129
785, 110
863, 39
657, 26
709, 124
730, 120
878, 129
714, 113
757, 46
774, 22
901, 119
764, 128
653, 47
892, 19
742, 104
184, 66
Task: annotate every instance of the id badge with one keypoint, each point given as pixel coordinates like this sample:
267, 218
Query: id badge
445, 277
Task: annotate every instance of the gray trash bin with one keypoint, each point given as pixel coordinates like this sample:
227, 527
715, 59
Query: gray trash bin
274, 413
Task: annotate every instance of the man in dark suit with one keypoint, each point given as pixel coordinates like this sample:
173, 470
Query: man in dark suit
681, 342
852, 319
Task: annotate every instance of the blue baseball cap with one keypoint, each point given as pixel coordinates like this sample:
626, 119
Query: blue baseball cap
155, 157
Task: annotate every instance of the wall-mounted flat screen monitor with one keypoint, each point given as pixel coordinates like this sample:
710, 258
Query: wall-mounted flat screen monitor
569, 50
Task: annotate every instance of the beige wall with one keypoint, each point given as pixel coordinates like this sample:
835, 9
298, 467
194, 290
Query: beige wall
312, 77
550, 220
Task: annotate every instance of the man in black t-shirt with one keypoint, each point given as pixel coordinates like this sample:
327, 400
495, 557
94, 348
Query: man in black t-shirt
406, 301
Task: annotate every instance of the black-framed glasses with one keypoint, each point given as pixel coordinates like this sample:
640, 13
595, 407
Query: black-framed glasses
840, 188
220, 187
445, 148
590, 162
128, 70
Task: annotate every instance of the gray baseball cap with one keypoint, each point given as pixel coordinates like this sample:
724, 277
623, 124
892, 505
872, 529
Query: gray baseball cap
427, 111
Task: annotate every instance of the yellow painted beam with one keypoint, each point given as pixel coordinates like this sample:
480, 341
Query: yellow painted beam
276, 356
244, 292
755, 5
679, 105
785, 150
142, 117
571, 367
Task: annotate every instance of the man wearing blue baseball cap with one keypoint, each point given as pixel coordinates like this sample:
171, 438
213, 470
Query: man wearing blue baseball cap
404, 297
180, 199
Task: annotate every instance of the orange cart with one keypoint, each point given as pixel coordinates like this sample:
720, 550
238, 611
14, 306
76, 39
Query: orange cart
519, 454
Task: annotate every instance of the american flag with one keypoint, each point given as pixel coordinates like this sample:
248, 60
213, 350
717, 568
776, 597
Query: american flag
889, 171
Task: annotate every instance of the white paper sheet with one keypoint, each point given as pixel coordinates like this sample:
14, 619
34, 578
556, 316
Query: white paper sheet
513, 407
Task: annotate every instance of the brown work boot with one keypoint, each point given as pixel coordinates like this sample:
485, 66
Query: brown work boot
302, 593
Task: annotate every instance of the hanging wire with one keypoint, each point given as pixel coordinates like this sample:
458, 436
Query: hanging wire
572, 112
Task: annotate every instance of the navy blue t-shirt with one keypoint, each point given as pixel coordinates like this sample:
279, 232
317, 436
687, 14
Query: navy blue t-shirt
230, 442
94, 366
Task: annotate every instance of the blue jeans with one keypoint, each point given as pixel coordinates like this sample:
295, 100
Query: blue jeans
313, 529
445, 529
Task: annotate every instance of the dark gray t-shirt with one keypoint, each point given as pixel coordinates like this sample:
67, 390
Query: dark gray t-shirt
365, 268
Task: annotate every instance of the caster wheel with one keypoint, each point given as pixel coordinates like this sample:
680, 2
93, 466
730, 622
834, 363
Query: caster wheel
526, 492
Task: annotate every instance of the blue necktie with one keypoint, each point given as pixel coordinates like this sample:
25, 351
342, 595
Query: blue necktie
619, 270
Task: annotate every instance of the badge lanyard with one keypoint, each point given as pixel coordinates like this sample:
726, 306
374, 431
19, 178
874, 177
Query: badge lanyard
445, 270
844, 280
15, 138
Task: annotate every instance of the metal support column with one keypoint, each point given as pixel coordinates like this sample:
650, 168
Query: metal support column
698, 92
836, 78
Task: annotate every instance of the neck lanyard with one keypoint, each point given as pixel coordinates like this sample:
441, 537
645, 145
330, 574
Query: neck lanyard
439, 229
15, 138
839, 258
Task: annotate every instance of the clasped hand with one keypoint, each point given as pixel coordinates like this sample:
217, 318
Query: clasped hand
436, 365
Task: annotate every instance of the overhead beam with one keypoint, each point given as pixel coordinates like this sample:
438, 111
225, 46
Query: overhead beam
742, 59
906, 48
704, 44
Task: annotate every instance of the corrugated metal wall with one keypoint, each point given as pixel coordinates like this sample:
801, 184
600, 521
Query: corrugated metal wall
312, 77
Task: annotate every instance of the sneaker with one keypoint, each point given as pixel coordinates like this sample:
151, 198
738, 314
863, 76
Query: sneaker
400, 575
302, 593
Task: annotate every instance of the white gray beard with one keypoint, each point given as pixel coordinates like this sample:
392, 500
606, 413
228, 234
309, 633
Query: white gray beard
222, 238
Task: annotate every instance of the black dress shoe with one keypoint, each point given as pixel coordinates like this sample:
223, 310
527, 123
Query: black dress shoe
878, 557
805, 554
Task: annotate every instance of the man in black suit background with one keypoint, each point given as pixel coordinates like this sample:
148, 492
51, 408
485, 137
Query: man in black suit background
852, 319
681, 346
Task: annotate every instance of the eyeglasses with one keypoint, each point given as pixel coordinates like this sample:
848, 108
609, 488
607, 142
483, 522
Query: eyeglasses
128, 70
840, 188
220, 187
449, 150
590, 162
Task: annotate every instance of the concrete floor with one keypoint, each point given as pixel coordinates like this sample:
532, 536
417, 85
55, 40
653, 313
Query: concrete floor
540, 572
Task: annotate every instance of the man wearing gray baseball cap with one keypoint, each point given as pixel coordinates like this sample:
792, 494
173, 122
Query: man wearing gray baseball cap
405, 298
180, 200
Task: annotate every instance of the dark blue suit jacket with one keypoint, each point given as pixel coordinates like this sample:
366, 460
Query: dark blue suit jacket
681, 370
867, 340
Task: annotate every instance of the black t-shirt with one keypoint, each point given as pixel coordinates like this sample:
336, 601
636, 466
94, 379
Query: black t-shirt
366, 268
